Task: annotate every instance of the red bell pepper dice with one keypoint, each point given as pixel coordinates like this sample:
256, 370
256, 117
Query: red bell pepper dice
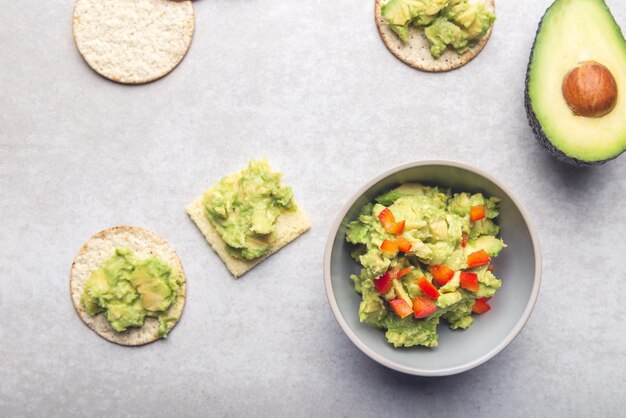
464, 237
477, 212
384, 282
478, 258
441, 274
386, 217
400, 307
393, 246
398, 228
480, 306
401, 273
428, 288
469, 281
423, 306
389, 222
404, 245
390, 247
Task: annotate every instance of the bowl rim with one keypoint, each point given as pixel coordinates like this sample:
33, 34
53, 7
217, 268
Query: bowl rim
419, 371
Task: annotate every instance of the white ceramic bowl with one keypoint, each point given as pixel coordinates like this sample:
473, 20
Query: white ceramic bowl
518, 266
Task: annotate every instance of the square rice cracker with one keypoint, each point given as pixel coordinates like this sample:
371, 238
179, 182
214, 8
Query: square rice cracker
289, 226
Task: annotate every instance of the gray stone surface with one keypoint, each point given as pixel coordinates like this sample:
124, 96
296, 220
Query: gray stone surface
309, 85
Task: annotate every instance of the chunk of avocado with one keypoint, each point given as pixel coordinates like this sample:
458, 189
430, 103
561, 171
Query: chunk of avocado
570, 33
154, 293
443, 33
449, 299
372, 310
90, 303
398, 12
401, 293
489, 243
121, 316
97, 284
484, 227
410, 282
255, 248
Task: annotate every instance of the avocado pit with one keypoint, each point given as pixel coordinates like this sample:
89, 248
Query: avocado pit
590, 90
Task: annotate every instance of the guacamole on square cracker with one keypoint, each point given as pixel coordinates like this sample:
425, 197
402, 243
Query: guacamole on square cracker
426, 255
248, 215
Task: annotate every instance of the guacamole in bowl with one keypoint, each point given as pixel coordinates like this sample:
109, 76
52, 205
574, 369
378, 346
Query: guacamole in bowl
425, 255
411, 348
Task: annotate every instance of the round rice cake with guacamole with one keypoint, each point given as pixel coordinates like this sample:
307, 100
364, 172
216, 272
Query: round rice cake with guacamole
133, 41
128, 285
435, 35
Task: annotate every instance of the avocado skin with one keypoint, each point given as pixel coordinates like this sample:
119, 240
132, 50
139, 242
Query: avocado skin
538, 132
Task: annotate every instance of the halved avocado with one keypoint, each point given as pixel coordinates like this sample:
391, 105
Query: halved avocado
574, 33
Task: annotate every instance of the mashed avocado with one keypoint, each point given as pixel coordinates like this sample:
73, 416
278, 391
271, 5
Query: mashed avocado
446, 23
243, 208
442, 230
126, 290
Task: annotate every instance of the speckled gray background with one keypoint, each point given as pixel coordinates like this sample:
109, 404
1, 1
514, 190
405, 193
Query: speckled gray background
309, 85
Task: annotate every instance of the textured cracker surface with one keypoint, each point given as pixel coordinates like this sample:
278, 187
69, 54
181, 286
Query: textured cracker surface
133, 41
102, 246
289, 226
416, 52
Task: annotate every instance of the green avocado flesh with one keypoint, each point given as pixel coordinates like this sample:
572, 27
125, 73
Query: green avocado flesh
446, 23
435, 222
243, 207
573, 31
126, 290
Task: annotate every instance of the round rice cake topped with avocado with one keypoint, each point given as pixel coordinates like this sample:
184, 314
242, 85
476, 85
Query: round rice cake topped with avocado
128, 285
435, 35
133, 41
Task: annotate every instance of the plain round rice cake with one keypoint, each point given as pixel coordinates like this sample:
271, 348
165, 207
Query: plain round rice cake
416, 52
133, 41
102, 246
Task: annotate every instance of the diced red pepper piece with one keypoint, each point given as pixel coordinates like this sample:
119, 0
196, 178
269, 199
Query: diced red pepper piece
389, 222
401, 273
441, 274
404, 245
389, 246
384, 282
398, 228
469, 281
428, 288
480, 306
477, 212
423, 306
478, 258
392, 247
400, 307
386, 217
464, 239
